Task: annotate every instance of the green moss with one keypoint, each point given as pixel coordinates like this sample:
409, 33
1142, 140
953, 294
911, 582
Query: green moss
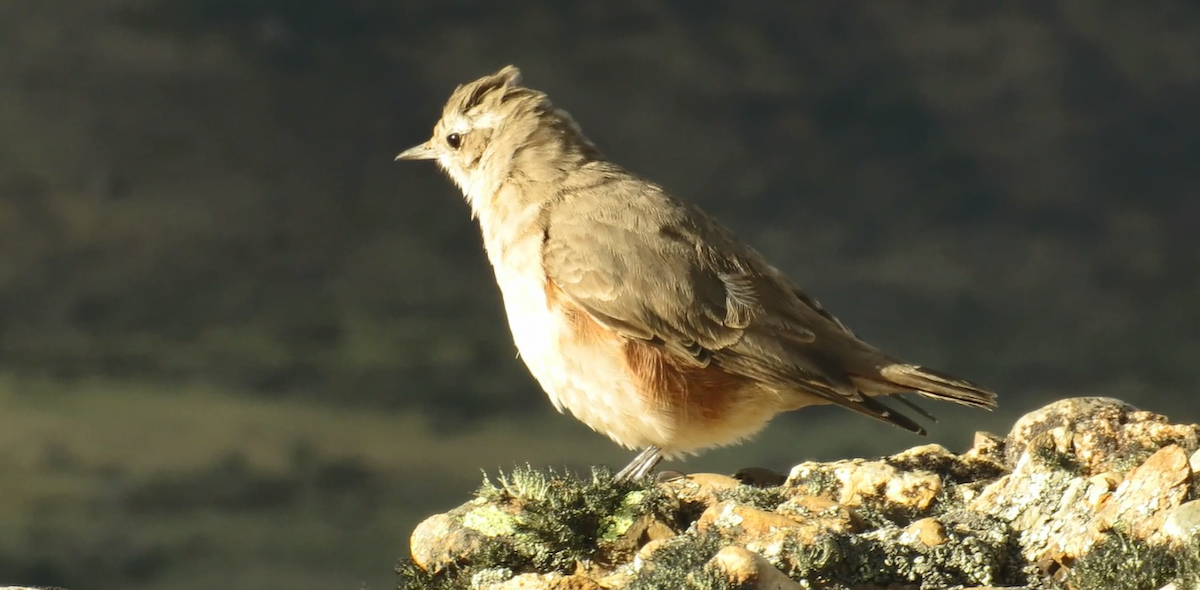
1044, 450
413, 577
1121, 562
680, 564
826, 559
543, 521
1132, 456
876, 518
490, 520
819, 482
612, 527
761, 498
952, 468
977, 554
560, 519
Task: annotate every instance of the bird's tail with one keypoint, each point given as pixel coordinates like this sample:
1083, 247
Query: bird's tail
937, 385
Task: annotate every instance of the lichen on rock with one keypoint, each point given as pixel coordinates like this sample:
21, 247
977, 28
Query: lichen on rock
1083, 493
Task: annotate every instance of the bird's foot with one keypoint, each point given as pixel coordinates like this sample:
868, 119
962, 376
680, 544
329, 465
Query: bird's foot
641, 465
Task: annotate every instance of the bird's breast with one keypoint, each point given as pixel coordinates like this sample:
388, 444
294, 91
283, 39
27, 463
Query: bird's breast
625, 389
575, 360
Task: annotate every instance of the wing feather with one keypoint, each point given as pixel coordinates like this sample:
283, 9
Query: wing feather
657, 270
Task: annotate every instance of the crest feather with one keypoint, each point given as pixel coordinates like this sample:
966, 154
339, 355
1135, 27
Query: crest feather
486, 89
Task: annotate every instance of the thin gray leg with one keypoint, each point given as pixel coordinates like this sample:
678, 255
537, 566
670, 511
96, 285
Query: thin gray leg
641, 465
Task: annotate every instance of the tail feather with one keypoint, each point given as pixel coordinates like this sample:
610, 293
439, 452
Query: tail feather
914, 407
937, 385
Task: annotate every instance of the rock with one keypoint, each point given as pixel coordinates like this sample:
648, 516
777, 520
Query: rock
743, 523
629, 527
1182, 524
1081, 490
646, 528
1100, 488
1047, 506
1098, 434
668, 475
647, 550
987, 447
934, 458
929, 531
975, 551
814, 522
826, 515
1142, 501
749, 570
760, 477
872, 483
1066, 487
701, 489
908, 482
915, 490
441, 540
1099, 417
550, 581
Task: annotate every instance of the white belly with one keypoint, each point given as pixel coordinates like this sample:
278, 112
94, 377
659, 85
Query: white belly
589, 380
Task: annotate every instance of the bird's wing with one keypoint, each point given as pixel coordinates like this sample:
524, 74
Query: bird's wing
657, 270
641, 268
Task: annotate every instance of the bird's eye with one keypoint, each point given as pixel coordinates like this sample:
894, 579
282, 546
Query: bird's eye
454, 140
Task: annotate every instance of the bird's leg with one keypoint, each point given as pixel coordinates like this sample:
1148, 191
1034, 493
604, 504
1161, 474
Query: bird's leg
641, 465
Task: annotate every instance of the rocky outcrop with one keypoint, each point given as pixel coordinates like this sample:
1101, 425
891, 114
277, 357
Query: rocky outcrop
1084, 493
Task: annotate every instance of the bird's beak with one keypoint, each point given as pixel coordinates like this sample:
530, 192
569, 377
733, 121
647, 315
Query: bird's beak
418, 152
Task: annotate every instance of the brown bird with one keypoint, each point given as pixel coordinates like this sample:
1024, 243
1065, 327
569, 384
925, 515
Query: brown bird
637, 312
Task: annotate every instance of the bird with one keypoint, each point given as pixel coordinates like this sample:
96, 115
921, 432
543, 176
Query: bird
636, 311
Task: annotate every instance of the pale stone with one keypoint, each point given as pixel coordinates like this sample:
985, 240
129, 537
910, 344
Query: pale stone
1182, 524
1097, 433
914, 489
701, 488
1048, 507
986, 446
749, 570
863, 482
647, 550
743, 522
1100, 488
929, 531
826, 514
440, 541
551, 581
1148, 494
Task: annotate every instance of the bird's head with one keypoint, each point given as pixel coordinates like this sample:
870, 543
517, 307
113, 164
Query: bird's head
493, 125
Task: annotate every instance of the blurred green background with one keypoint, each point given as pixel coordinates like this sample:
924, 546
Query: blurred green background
240, 347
